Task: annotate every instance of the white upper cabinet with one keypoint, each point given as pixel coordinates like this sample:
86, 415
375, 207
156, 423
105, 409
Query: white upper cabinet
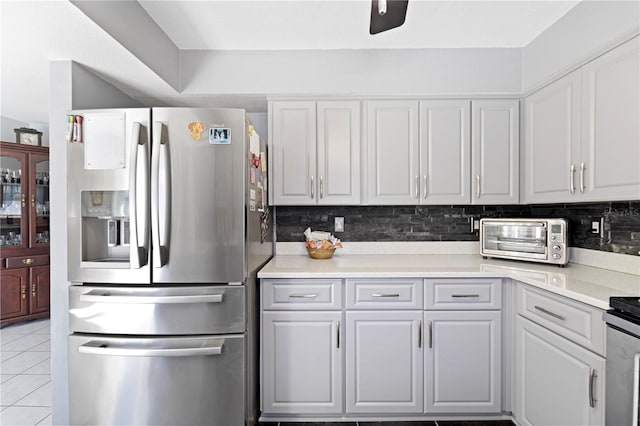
582, 133
551, 141
316, 152
611, 125
293, 142
393, 152
495, 157
338, 152
445, 153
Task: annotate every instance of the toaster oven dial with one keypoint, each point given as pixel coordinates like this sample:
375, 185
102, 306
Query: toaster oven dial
556, 256
556, 248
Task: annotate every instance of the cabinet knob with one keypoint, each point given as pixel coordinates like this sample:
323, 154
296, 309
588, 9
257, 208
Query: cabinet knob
24, 200
34, 289
28, 261
24, 291
33, 200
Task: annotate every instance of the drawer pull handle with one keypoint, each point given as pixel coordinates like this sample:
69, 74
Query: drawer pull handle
543, 310
28, 261
303, 296
385, 295
592, 386
465, 296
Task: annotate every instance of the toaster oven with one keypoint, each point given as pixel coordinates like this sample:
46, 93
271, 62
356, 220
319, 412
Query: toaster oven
535, 240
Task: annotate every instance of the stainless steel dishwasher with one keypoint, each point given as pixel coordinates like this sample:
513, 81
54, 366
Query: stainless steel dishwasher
157, 356
623, 362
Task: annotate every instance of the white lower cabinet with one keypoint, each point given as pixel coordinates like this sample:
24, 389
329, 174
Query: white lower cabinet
384, 362
558, 382
463, 362
301, 362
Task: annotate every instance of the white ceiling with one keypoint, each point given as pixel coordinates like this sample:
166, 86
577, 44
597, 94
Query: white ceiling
36, 32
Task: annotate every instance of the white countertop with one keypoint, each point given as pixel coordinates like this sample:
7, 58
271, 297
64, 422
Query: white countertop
583, 283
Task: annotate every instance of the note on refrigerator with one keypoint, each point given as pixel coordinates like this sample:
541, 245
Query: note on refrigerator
254, 143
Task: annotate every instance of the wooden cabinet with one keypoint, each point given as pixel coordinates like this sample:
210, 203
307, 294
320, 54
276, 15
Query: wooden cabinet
24, 232
581, 133
495, 154
384, 362
316, 152
14, 288
557, 381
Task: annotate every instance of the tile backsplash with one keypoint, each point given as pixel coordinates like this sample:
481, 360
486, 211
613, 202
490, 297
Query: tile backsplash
621, 220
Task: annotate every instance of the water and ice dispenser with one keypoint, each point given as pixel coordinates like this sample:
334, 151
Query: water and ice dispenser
105, 226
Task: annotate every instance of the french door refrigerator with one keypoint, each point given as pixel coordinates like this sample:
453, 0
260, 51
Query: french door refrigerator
167, 226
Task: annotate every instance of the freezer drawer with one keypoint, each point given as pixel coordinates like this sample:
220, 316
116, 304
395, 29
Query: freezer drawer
145, 310
156, 381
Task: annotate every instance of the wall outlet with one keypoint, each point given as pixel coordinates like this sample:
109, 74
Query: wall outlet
595, 227
339, 224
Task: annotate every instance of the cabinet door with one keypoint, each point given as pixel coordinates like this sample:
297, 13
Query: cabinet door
463, 362
40, 284
494, 151
611, 125
552, 142
392, 152
293, 130
14, 188
445, 151
39, 200
557, 381
13, 289
384, 362
338, 152
301, 362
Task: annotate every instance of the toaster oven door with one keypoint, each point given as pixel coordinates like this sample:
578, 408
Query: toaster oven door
526, 240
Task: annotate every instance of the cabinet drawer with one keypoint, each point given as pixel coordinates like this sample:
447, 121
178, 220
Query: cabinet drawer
295, 294
576, 321
383, 293
26, 261
462, 293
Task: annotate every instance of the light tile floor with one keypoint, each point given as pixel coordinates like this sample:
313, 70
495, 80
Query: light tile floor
25, 374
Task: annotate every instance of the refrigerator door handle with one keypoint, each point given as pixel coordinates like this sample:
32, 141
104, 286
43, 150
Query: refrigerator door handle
160, 300
138, 253
160, 251
98, 348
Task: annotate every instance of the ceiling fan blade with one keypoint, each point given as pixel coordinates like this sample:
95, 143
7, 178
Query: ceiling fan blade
393, 18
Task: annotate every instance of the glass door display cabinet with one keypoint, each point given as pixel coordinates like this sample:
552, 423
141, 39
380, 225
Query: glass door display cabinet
24, 232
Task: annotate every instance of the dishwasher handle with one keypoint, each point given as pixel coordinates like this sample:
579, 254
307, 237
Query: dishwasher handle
107, 298
96, 348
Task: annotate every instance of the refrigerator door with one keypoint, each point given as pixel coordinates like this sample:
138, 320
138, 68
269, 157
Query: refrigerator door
108, 190
198, 172
157, 310
156, 381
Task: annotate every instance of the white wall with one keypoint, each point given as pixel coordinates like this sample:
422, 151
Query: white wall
72, 87
339, 72
6, 128
584, 32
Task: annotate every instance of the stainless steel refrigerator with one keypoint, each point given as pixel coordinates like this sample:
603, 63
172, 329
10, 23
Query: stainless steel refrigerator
168, 224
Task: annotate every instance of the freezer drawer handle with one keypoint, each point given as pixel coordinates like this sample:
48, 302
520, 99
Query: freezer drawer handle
91, 348
106, 298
